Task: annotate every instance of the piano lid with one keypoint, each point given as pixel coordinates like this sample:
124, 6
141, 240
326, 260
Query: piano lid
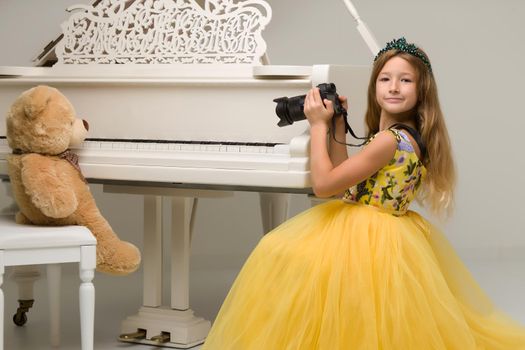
161, 32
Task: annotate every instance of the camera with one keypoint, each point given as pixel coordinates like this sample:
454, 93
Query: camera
291, 109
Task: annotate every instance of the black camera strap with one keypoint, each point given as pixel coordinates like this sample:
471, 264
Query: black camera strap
348, 129
414, 133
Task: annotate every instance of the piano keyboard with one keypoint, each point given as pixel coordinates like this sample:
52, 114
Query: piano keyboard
185, 154
224, 163
189, 146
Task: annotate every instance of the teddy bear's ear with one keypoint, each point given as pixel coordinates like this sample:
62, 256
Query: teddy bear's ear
36, 100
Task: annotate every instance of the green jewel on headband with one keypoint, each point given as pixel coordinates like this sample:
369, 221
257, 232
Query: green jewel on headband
402, 45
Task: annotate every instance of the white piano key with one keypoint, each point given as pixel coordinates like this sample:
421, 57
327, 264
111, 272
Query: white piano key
105, 145
281, 149
213, 148
186, 147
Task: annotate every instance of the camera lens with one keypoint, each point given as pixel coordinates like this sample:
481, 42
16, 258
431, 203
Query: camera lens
290, 110
282, 111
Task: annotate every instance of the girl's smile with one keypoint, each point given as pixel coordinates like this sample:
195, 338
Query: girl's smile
394, 100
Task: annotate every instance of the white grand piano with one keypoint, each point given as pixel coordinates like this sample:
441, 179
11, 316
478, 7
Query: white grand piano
180, 102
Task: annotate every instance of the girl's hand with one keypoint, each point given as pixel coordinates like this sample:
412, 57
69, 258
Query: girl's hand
317, 112
344, 102
340, 121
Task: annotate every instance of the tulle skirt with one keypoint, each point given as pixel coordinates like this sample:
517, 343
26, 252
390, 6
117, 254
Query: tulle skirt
348, 276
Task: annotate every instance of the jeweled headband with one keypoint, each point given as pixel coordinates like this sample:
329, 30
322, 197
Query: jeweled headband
402, 45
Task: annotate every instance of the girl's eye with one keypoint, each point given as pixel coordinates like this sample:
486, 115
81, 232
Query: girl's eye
383, 79
405, 80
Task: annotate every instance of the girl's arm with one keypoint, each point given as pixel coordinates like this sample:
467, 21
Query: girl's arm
327, 179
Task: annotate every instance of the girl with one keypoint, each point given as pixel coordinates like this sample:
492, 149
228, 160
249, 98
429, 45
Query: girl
364, 272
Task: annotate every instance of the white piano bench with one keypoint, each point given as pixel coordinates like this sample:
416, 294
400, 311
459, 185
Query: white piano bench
22, 245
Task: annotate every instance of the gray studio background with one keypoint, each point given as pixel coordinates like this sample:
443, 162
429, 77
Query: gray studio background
477, 51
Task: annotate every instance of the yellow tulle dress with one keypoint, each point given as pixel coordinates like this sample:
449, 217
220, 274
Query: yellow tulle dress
361, 273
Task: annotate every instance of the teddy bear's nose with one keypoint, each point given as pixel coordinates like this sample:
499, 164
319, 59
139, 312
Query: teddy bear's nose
86, 124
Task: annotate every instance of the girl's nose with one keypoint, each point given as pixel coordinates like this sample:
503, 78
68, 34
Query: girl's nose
394, 87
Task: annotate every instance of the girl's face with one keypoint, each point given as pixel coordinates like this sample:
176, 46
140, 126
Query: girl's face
396, 90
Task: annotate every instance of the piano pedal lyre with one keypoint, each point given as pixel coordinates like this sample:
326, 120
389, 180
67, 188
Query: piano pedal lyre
138, 335
163, 337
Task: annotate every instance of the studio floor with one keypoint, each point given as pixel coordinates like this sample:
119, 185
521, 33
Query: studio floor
118, 297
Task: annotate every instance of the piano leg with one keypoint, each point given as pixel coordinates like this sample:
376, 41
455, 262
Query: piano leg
152, 262
156, 324
182, 214
274, 209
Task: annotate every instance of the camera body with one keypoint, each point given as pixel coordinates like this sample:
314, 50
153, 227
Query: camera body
291, 109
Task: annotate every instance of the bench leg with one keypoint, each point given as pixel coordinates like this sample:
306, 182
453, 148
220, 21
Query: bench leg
25, 277
53, 287
87, 295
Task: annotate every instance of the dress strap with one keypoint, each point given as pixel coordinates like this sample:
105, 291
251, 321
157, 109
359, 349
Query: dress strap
415, 134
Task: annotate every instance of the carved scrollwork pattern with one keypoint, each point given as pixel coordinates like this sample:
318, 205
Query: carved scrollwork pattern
165, 32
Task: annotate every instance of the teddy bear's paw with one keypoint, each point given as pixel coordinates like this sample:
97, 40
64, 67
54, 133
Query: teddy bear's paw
59, 207
122, 258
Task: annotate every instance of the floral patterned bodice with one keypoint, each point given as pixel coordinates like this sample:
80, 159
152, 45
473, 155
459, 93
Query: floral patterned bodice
395, 185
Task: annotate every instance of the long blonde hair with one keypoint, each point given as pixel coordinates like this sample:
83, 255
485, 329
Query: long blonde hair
438, 188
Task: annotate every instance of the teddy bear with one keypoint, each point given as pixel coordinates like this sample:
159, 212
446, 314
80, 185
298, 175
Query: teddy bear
47, 183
